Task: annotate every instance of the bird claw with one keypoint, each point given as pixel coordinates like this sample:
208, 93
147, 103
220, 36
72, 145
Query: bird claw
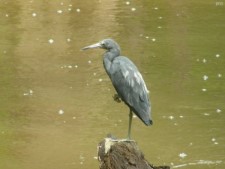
117, 98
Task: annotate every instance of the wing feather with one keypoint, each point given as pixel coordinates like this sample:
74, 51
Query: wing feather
131, 87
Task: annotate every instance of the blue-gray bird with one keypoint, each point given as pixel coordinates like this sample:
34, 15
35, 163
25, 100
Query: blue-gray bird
127, 81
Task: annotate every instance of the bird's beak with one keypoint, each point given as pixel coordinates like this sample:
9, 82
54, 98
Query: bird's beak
96, 45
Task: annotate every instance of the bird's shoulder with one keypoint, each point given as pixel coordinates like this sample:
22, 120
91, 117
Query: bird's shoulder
123, 64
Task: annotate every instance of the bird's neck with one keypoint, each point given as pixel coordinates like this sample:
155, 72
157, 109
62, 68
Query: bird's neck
109, 56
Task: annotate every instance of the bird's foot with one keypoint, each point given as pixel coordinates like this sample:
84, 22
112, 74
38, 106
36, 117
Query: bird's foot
117, 98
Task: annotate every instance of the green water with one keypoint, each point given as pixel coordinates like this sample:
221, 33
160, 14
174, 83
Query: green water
56, 101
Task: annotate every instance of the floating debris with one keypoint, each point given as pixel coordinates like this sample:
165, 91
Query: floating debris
74, 117
217, 55
61, 112
181, 116
68, 40
100, 80
204, 90
204, 60
6, 15
171, 117
153, 39
59, 11
218, 110
206, 114
147, 37
219, 75
213, 139
133, 9
69, 9
205, 77
29, 93
156, 8
182, 155
78, 10
76, 66
34, 14
89, 62
51, 41
127, 3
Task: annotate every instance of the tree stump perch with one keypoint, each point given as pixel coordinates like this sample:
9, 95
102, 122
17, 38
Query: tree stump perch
122, 154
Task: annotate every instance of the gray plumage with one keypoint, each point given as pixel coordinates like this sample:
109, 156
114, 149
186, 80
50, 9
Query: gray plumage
127, 80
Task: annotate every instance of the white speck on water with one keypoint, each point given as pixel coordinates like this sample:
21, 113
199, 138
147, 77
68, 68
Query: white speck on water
68, 40
182, 155
69, 9
216, 143
94, 74
74, 117
197, 60
4, 51
78, 10
159, 27
76, 66
51, 41
26, 94
34, 14
171, 117
160, 17
100, 80
61, 3
70, 67
61, 112
218, 110
204, 60
217, 55
133, 9
156, 8
70, 5
206, 114
89, 62
31, 92
6, 15
59, 11
141, 35
153, 39
204, 90
147, 37
95, 158
127, 3
190, 144
219, 75
213, 139
205, 77
181, 116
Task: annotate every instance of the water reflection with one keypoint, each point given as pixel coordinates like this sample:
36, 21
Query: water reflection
56, 102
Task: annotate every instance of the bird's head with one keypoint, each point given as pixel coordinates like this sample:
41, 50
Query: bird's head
107, 44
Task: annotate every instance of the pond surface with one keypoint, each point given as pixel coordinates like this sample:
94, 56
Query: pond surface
56, 101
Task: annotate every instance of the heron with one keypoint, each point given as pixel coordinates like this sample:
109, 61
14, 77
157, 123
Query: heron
127, 81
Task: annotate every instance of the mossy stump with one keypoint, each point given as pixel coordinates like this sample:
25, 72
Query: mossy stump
122, 154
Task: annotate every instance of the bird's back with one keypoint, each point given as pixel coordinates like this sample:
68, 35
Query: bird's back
131, 87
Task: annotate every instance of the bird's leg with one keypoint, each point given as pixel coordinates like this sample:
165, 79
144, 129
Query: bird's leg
130, 122
117, 98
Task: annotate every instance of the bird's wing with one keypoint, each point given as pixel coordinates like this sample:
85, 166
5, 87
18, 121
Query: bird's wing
131, 87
